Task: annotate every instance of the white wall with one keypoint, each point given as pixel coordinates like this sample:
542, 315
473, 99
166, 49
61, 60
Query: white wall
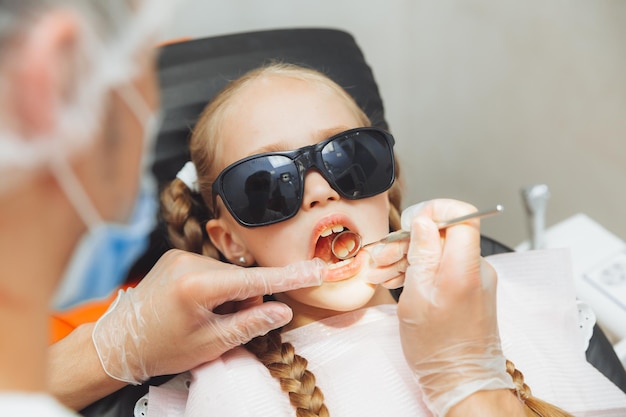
484, 97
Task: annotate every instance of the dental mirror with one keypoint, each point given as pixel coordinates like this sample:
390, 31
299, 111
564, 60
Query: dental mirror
348, 243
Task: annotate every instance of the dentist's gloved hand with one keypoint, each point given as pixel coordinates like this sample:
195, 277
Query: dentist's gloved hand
171, 322
447, 310
388, 263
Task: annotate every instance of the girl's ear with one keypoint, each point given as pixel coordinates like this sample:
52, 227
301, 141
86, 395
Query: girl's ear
228, 243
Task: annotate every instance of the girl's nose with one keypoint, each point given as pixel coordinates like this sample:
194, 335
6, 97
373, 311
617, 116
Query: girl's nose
317, 191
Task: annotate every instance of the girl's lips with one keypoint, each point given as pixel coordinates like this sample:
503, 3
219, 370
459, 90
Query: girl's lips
344, 270
326, 223
320, 247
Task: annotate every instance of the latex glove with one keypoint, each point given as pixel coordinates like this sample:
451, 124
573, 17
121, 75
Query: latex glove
388, 263
170, 322
447, 310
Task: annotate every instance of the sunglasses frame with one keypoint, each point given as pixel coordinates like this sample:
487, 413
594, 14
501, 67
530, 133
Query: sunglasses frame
304, 159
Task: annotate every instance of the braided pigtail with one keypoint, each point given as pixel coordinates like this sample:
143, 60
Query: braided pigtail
395, 201
534, 406
291, 370
185, 214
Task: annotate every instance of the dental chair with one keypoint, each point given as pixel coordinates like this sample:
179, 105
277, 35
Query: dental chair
192, 72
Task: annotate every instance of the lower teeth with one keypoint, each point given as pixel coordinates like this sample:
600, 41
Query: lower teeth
339, 264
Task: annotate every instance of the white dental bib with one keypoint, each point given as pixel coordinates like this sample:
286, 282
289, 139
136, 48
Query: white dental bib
356, 359
359, 366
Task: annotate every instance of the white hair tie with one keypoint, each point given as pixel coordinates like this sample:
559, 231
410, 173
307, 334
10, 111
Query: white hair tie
189, 176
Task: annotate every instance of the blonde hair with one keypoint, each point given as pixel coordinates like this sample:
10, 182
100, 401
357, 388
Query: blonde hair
186, 213
534, 406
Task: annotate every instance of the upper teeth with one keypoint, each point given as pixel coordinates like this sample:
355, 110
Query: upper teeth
334, 229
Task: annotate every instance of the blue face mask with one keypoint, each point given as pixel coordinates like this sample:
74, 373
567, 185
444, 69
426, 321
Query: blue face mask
105, 254
103, 257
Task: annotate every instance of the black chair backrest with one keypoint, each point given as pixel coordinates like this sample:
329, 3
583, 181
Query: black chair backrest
192, 72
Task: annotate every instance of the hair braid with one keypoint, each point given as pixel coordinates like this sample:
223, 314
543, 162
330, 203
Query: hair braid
185, 216
534, 406
395, 201
291, 370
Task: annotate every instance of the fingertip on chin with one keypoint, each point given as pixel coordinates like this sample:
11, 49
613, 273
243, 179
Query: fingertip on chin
277, 314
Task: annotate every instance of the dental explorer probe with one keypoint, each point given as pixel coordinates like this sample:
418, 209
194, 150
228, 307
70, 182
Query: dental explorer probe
404, 234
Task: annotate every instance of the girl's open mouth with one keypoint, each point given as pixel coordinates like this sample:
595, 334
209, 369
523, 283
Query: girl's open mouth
338, 269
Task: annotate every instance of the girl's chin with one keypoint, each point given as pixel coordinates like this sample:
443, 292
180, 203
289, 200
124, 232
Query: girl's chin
341, 297
346, 269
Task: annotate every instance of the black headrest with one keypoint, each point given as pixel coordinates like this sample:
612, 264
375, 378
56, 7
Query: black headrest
192, 72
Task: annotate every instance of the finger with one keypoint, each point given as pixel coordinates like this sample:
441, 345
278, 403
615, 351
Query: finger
381, 275
409, 213
424, 258
243, 283
259, 281
395, 282
385, 254
461, 256
489, 281
240, 327
488, 274
424, 247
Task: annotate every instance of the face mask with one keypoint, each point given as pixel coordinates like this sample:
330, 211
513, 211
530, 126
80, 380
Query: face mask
102, 258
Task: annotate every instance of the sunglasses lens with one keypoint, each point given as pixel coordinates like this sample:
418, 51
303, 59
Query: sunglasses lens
360, 163
270, 191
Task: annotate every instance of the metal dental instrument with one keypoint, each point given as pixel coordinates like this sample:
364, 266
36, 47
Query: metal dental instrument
349, 237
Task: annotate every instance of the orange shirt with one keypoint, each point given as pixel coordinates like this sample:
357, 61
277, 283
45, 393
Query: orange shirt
63, 323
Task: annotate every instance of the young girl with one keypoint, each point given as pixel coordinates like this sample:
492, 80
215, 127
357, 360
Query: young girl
285, 160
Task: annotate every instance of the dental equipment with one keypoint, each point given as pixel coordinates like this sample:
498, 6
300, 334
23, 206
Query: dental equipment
349, 237
535, 200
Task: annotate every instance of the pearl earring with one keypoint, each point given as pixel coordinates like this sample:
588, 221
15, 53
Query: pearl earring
242, 260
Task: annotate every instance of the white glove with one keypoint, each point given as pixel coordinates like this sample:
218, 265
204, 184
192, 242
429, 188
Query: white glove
447, 310
171, 323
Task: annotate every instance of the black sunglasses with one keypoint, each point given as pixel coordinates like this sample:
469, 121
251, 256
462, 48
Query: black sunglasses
268, 188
